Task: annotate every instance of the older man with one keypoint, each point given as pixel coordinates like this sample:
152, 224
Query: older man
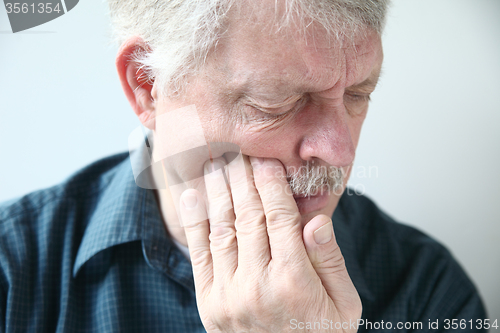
255, 110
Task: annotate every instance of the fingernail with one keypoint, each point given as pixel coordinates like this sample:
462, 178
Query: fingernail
256, 161
323, 234
190, 200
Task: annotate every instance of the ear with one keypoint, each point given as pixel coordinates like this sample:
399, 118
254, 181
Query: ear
139, 92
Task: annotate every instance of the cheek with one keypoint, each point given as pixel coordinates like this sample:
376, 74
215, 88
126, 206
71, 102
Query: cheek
218, 122
216, 128
355, 124
274, 139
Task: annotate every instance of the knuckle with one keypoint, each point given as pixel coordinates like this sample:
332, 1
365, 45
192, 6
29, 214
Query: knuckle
292, 292
221, 237
199, 256
283, 291
221, 314
295, 284
289, 258
242, 310
279, 215
251, 301
332, 262
245, 199
249, 214
224, 219
221, 216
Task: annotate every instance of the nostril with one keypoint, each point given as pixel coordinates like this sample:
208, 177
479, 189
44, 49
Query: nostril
336, 149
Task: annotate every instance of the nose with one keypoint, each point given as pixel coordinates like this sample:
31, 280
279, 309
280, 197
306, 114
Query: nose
328, 137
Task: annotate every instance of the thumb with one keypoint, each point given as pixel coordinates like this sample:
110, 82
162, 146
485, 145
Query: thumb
328, 262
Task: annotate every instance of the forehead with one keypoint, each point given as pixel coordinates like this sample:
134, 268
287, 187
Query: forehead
254, 57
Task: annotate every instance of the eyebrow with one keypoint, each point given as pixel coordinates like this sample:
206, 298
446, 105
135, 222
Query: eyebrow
258, 91
369, 84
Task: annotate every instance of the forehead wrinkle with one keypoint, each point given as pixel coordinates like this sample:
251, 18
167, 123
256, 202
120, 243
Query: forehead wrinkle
276, 65
311, 79
282, 87
297, 72
265, 87
277, 88
271, 83
364, 68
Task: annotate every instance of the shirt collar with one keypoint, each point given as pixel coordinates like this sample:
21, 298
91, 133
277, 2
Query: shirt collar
125, 213
116, 217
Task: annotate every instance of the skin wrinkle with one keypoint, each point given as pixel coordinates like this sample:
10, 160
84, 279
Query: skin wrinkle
250, 105
310, 76
326, 129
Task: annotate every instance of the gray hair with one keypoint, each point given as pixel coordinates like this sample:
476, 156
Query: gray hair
181, 33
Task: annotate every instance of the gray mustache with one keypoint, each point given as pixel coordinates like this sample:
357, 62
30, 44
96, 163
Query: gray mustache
310, 179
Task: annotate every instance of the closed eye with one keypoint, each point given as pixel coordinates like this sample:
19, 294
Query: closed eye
356, 104
280, 109
355, 97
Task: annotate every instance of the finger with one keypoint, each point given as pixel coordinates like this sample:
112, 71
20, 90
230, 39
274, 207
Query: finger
221, 216
328, 262
196, 227
282, 214
250, 224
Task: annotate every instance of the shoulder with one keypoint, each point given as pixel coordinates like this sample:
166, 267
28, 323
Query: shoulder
83, 184
405, 268
29, 223
375, 228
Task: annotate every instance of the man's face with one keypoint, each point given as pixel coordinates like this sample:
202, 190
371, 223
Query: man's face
295, 97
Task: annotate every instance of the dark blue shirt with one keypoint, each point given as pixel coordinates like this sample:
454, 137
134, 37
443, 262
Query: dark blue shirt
93, 255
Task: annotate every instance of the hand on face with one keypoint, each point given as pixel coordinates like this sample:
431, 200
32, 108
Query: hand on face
255, 269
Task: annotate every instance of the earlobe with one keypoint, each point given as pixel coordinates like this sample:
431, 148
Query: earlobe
138, 90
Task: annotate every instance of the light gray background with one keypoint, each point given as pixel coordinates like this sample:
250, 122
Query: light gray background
429, 151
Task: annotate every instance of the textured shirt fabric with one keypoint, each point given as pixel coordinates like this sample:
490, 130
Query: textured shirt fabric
93, 255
